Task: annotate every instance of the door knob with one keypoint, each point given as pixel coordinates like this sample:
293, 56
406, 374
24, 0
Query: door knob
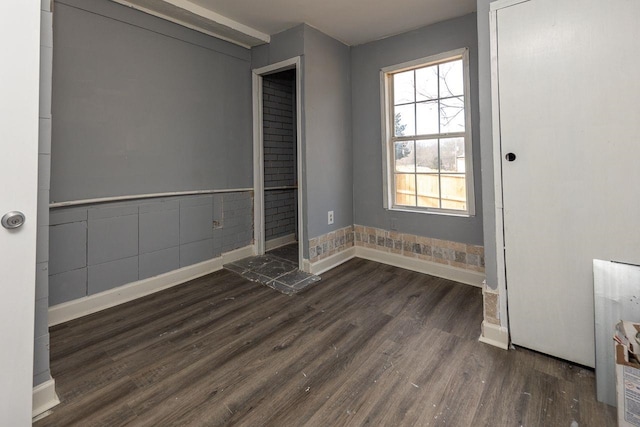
13, 219
510, 157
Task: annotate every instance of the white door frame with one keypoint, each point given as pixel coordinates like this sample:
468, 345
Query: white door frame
19, 108
258, 153
497, 158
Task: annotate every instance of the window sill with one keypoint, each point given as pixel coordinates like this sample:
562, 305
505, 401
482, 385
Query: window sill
430, 211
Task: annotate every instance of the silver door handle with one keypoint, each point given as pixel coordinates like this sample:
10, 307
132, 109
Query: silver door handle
13, 219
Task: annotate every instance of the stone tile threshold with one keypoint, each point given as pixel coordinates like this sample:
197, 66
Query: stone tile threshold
277, 273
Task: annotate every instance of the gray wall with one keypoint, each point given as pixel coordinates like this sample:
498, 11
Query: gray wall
284, 45
486, 140
329, 149
366, 62
142, 105
41, 332
279, 105
100, 247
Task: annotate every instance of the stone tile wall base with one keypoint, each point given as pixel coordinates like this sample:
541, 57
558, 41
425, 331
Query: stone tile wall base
330, 244
491, 306
403, 247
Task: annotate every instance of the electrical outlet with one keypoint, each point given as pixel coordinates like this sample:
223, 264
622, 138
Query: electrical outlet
330, 218
393, 224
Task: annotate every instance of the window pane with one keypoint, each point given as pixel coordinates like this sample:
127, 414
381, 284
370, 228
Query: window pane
428, 109
454, 191
405, 120
428, 191
405, 189
452, 115
427, 155
403, 88
452, 155
427, 83
427, 118
451, 79
405, 155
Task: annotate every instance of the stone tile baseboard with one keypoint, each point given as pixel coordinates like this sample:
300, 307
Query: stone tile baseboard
330, 244
491, 303
493, 332
460, 255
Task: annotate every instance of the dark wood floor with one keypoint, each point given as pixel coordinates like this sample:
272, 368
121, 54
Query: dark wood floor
369, 345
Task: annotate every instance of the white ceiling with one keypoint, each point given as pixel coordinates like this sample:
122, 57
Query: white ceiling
354, 22
351, 21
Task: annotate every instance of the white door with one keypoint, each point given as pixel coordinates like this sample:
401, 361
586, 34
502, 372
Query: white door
19, 81
569, 100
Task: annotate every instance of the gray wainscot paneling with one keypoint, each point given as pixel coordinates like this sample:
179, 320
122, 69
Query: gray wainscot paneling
195, 252
159, 226
67, 286
158, 262
113, 234
109, 275
139, 239
196, 219
237, 228
67, 247
68, 254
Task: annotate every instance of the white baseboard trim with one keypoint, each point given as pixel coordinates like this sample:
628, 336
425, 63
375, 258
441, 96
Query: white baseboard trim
44, 397
467, 277
237, 254
83, 306
279, 241
495, 335
330, 262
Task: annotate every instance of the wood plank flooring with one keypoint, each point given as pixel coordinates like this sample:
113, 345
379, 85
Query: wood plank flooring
369, 345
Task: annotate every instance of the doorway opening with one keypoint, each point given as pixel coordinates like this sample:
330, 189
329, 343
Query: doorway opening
280, 177
277, 157
277, 181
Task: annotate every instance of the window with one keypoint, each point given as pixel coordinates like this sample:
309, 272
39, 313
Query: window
427, 135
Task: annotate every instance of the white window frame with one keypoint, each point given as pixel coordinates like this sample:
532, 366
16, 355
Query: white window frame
387, 123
